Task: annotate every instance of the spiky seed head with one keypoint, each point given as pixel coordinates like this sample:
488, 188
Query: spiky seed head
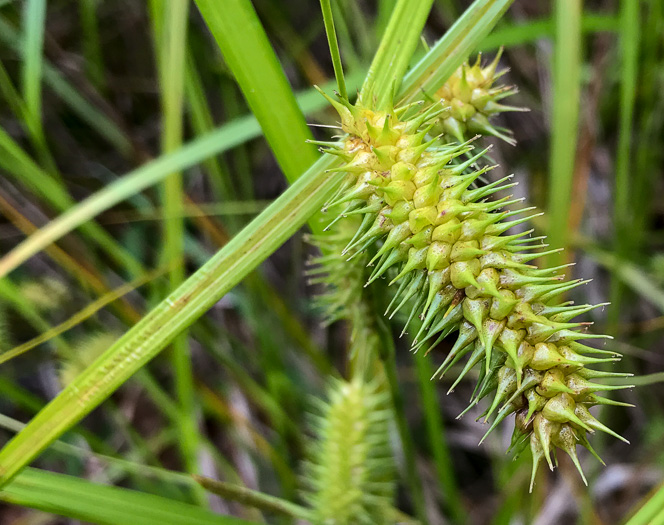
349, 477
471, 100
448, 251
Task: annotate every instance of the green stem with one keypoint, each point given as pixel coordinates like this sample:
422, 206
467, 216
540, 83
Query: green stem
33, 41
253, 498
414, 482
564, 123
438, 440
623, 241
397, 46
328, 19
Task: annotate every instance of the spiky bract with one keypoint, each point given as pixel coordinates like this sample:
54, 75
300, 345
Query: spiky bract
350, 476
461, 271
472, 100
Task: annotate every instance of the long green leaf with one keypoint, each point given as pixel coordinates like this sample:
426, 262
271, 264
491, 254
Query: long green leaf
623, 194
394, 53
192, 299
102, 504
564, 122
33, 41
250, 56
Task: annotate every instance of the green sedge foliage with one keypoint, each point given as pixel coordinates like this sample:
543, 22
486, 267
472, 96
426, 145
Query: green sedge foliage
349, 477
447, 244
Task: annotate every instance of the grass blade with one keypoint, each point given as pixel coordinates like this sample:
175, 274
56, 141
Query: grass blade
394, 53
252, 60
81, 499
564, 122
33, 40
623, 241
332, 43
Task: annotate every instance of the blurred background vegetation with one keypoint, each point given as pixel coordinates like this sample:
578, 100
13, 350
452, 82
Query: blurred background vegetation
82, 102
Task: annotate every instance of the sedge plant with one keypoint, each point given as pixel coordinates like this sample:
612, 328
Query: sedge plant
405, 198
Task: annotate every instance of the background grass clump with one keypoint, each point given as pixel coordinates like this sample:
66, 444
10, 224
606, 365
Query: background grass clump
138, 138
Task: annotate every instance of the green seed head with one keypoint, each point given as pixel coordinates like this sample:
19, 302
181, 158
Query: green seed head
349, 478
444, 245
472, 99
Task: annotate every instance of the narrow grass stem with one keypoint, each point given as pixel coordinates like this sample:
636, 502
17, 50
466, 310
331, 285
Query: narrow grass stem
564, 122
410, 458
171, 38
447, 478
33, 41
328, 19
623, 241
253, 498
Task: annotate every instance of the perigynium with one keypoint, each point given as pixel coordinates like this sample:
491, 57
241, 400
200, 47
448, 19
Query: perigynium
448, 248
